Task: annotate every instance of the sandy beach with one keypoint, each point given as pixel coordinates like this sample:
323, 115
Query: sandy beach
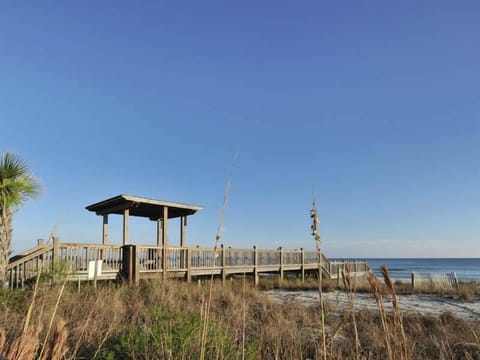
424, 304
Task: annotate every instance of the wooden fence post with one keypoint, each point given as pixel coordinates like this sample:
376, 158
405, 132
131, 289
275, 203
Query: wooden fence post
130, 266
255, 264
303, 265
413, 280
281, 262
224, 273
189, 264
164, 262
338, 275
56, 258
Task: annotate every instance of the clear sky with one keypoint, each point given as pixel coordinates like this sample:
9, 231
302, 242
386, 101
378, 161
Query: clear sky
375, 104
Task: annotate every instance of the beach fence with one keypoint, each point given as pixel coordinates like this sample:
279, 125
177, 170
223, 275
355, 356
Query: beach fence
434, 281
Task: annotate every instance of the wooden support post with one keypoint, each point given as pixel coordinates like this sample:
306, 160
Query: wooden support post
159, 232
182, 238
17, 276
55, 257
303, 266
224, 272
338, 275
11, 279
189, 264
255, 266
130, 268
165, 243
105, 229
413, 280
23, 276
281, 262
104, 236
126, 214
56, 249
182, 230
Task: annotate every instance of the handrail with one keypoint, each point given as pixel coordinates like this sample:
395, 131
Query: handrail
41, 251
150, 259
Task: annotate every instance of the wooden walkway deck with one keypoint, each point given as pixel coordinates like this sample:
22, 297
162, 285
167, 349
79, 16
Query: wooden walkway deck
135, 262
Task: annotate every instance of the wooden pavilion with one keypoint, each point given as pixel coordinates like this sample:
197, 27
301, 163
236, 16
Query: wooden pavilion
159, 211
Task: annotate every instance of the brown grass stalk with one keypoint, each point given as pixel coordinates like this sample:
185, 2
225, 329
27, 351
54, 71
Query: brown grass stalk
397, 314
377, 294
350, 288
60, 293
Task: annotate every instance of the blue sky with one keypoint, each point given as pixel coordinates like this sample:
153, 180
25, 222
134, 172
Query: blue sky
374, 104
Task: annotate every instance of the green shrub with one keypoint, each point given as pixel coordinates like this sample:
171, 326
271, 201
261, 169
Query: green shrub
169, 335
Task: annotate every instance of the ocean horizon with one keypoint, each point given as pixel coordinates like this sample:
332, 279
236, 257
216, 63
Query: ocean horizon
466, 269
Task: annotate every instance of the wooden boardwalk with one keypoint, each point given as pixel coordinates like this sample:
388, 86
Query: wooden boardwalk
135, 262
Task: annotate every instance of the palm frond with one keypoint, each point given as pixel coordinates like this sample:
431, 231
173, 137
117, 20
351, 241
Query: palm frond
16, 182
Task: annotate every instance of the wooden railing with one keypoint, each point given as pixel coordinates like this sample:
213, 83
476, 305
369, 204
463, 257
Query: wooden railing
136, 261
75, 257
28, 266
64, 259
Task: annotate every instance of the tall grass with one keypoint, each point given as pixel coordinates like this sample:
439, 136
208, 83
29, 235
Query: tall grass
164, 321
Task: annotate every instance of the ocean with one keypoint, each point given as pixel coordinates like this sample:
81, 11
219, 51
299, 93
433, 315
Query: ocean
466, 269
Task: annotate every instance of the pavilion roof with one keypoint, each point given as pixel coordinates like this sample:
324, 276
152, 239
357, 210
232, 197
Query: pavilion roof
142, 207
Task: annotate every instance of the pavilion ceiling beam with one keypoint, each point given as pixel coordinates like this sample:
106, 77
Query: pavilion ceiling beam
115, 209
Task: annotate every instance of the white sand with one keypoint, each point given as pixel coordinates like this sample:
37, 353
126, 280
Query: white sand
418, 304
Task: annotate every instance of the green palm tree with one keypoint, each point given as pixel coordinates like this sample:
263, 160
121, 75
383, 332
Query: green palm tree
16, 186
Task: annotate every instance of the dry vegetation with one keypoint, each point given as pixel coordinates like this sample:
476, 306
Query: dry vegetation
165, 321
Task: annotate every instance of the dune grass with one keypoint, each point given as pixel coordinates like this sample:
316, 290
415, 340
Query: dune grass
166, 320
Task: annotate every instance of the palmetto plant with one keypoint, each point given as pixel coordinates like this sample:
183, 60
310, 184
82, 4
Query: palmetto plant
16, 185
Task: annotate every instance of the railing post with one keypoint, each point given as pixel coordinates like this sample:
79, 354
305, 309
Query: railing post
255, 264
17, 270
22, 280
281, 262
165, 262
189, 264
224, 273
55, 257
11, 279
338, 275
130, 268
303, 265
